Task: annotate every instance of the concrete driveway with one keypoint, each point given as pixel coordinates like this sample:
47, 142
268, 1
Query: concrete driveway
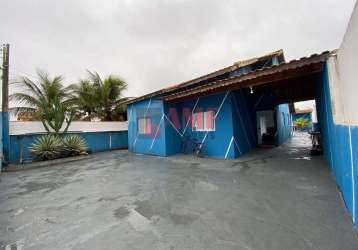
268, 199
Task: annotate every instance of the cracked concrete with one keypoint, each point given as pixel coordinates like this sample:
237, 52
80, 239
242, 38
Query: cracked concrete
267, 199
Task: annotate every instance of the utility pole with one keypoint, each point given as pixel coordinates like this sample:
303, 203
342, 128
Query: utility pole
5, 77
5, 137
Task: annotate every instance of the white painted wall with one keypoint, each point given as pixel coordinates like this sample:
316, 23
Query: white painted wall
343, 85
19, 127
344, 76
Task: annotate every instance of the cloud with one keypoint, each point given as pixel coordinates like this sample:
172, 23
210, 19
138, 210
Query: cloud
153, 44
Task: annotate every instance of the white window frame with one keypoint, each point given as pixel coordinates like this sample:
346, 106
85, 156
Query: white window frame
142, 126
205, 115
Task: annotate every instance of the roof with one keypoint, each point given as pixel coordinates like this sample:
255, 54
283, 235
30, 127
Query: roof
302, 66
303, 111
278, 53
125, 100
210, 76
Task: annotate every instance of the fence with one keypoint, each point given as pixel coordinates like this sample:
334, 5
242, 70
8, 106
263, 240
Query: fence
100, 136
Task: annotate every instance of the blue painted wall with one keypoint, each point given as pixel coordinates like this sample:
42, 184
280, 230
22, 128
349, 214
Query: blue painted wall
216, 142
244, 126
283, 123
336, 144
1, 143
4, 137
233, 135
155, 143
354, 140
235, 124
174, 128
97, 142
235, 132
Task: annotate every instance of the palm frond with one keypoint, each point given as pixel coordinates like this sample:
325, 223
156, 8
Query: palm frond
22, 98
22, 110
95, 78
47, 97
96, 97
31, 87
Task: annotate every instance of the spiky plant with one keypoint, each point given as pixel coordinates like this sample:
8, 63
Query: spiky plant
47, 147
74, 145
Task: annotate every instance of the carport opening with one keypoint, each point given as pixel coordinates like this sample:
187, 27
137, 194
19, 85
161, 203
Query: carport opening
275, 124
305, 126
304, 116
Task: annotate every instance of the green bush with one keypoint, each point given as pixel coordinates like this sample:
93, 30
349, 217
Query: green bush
47, 147
74, 145
50, 146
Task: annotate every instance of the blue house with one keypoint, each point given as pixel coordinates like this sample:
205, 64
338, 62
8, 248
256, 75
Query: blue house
228, 112
203, 116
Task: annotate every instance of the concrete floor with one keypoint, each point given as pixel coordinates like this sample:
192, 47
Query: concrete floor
268, 199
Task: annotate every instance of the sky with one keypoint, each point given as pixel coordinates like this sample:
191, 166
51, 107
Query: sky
155, 44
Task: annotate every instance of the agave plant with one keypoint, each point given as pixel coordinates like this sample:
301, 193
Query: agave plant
74, 145
47, 147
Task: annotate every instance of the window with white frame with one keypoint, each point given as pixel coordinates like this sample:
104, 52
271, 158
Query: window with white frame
203, 121
144, 126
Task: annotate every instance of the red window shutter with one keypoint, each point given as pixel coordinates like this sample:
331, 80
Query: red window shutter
210, 120
148, 126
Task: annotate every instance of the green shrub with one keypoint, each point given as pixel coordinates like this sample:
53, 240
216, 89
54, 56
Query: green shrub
74, 145
47, 147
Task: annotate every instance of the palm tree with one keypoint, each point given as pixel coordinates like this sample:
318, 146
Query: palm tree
97, 98
46, 99
84, 99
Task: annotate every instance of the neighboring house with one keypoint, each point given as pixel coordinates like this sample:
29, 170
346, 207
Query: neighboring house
26, 117
222, 123
302, 115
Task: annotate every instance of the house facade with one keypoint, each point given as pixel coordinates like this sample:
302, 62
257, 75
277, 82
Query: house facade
235, 109
220, 124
